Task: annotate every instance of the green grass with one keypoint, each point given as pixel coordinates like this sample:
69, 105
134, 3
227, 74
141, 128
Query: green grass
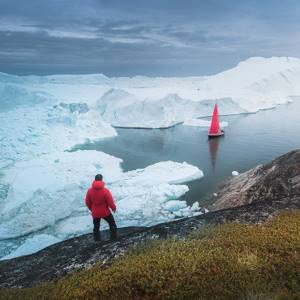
231, 261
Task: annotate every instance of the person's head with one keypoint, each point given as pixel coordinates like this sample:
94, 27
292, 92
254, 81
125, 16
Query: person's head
98, 177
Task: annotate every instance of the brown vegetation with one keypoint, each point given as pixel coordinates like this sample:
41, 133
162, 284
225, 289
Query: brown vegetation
230, 261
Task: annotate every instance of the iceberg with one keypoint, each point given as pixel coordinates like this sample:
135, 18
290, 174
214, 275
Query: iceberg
122, 109
144, 102
14, 96
44, 114
174, 205
255, 84
30, 132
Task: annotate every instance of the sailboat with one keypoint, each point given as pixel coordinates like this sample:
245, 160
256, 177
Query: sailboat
215, 130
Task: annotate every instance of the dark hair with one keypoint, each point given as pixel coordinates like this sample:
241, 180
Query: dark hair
98, 177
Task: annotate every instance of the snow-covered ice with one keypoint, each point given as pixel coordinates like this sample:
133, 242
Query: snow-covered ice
32, 245
235, 173
54, 182
29, 132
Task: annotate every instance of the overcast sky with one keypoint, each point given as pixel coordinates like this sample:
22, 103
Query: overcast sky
146, 37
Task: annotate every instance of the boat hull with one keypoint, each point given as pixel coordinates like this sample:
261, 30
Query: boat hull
215, 135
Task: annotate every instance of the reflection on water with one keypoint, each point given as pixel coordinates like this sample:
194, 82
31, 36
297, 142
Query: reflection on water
213, 151
249, 140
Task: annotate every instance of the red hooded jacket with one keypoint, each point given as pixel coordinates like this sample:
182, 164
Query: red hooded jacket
99, 199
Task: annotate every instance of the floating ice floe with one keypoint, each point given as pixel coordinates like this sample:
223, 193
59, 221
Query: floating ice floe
47, 193
202, 123
235, 173
50, 183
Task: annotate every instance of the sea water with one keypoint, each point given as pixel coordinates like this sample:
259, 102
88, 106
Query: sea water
250, 139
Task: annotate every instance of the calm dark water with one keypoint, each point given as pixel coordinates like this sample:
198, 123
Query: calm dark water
249, 140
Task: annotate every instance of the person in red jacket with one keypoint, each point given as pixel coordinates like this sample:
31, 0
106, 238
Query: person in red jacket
99, 201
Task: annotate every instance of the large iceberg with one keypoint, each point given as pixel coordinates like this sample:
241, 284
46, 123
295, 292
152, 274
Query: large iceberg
144, 102
255, 84
122, 109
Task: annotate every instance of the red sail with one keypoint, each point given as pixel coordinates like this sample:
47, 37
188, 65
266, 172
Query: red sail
214, 125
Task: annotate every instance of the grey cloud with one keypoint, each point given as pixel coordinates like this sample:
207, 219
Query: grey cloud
158, 37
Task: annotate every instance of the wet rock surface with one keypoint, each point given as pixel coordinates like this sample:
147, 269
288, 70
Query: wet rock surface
266, 190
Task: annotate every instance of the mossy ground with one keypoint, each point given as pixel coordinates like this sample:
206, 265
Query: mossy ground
231, 261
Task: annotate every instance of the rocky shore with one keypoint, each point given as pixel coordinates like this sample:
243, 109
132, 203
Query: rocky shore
251, 197
275, 180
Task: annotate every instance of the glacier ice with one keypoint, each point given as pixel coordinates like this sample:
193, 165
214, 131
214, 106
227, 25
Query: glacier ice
144, 102
13, 96
27, 132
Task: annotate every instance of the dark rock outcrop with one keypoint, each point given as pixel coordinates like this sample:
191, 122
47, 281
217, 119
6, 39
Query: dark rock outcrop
268, 189
277, 179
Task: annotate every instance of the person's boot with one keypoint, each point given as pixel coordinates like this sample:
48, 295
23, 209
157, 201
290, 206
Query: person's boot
113, 236
97, 236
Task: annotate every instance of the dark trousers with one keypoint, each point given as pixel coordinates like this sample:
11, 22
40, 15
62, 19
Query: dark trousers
112, 227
